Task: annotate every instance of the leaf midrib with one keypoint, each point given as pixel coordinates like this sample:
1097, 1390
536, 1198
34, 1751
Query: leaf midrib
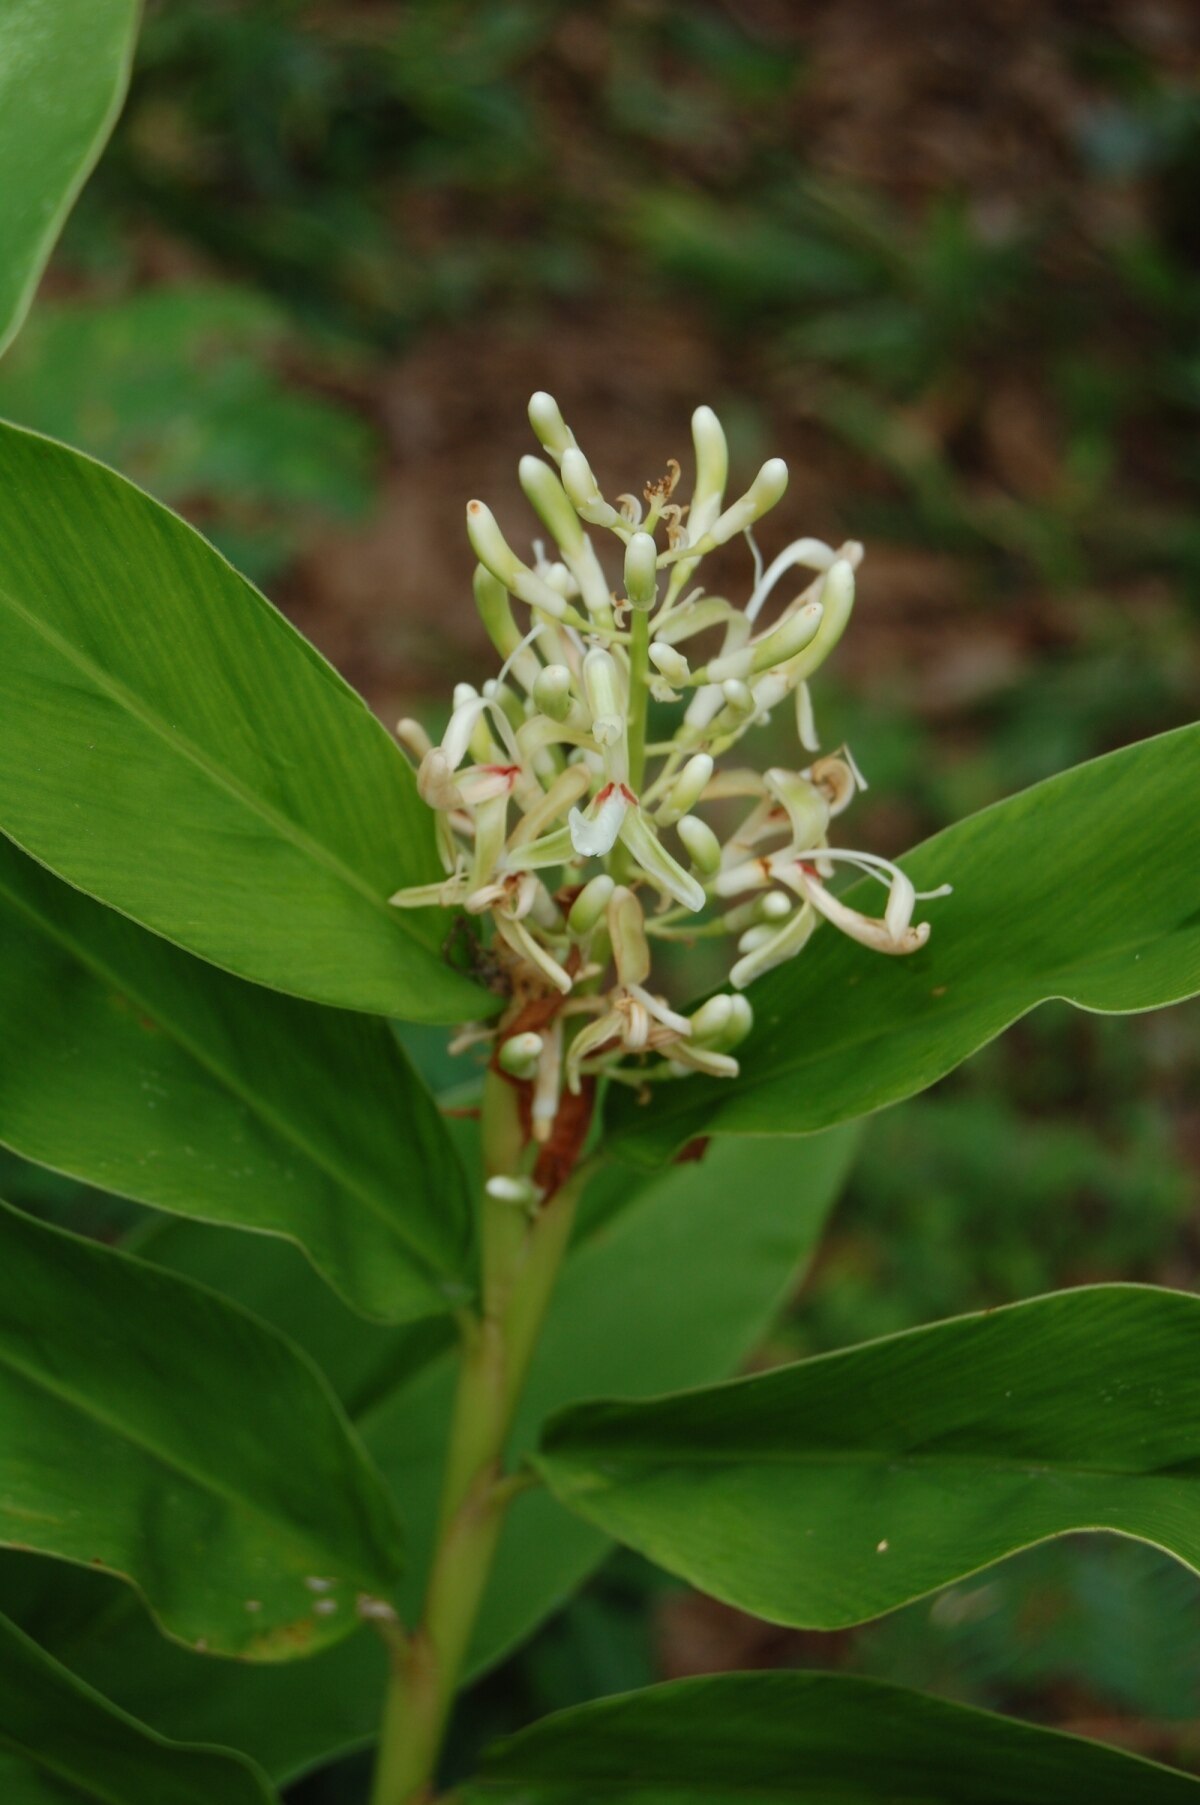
595, 1484
279, 1125
284, 826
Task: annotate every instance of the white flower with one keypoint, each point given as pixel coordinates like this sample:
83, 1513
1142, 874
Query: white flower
557, 823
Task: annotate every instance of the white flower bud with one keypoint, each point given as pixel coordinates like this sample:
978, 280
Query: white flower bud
712, 1019
491, 600
495, 554
712, 472
775, 906
740, 1023
521, 1193
837, 600
703, 846
641, 570
551, 429
552, 691
590, 905
690, 785
605, 694
673, 665
584, 491
627, 931
737, 696
762, 495
790, 636
548, 499
519, 1055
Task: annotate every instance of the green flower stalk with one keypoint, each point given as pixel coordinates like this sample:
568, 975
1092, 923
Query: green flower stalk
581, 843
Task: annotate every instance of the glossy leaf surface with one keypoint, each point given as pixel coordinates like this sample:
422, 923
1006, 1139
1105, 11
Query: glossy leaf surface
150, 1427
808, 1737
826, 1493
63, 72
1082, 887
138, 1068
61, 1743
169, 744
676, 1288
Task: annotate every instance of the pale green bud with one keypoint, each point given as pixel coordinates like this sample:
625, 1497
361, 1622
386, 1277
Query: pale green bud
711, 611
762, 495
723, 1022
770, 906
584, 491
548, 499
590, 905
627, 931
712, 1019
712, 472
702, 843
737, 695
491, 599
605, 696
790, 636
837, 600
551, 429
519, 1055
496, 555
641, 570
690, 785
552, 691
740, 1023
672, 664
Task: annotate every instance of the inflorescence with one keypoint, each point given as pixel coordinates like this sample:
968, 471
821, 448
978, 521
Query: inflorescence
582, 842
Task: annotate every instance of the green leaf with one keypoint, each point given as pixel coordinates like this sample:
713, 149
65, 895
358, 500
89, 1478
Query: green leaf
171, 745
1081, 888
826, 1493
64, 69
62, 1742
152, 1428
134, 1066
816, 1737
678, 1288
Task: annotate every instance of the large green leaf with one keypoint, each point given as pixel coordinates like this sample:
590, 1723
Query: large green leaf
675, 1289
825, 1493
1082, 887
151, 1427
61, 1743
808, 1737
63, 72
136, 1067
171, 745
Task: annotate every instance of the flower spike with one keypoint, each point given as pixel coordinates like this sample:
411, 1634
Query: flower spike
553, 787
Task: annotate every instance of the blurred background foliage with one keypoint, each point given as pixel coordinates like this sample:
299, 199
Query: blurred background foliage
946, 259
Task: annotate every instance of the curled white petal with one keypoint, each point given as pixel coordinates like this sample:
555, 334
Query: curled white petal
595, 834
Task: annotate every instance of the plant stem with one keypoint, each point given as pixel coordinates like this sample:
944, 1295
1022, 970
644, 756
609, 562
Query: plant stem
520, 1259
639, 670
